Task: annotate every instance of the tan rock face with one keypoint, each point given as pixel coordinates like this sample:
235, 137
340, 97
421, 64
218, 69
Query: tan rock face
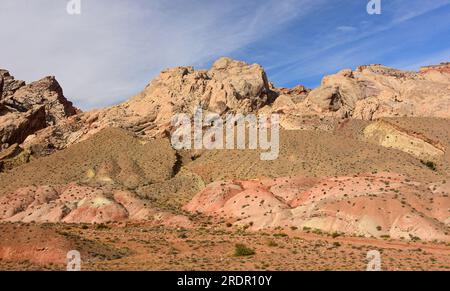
376, 91
228, 86
8, 85
368, 93
375, 205
25, 109
389, 135
441, 68
45, 92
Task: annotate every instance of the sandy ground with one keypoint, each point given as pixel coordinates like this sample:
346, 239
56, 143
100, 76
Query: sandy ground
207, 247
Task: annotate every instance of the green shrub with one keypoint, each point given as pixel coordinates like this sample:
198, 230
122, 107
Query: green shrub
335, 234
101, 226
429, 164
271, 243
242, 250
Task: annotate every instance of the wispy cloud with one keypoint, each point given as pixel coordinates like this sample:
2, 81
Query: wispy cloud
113, 48
362, 39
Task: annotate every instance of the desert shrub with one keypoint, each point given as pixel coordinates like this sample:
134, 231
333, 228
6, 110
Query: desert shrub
429, 164
242, 250
101, 226
271, 243
414, 238
335, 234
280, 234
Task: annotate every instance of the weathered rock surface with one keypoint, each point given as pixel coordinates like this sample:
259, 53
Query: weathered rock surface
8, 85
228, 86
375, 205
79, 204
441, 68
389, 135
368, 93
377, 91
26, 109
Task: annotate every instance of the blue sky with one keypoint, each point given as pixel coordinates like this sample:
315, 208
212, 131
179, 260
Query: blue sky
114, 48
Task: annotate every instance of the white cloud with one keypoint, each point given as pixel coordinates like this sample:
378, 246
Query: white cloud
114, 48
336, 49
407, 10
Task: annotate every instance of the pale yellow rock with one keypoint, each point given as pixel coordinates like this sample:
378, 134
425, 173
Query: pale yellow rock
387, 135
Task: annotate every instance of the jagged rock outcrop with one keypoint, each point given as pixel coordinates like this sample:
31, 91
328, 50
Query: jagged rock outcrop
376, 91
368, 93
26, 109
229, 86
8, 85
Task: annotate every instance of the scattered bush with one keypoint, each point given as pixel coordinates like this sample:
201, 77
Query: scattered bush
336, 244
335, 234
430, 165
271, 243
101, 226
242, 250
414, 238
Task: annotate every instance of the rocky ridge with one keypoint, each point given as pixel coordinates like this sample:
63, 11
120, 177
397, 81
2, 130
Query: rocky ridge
368, 93
26, 109
111, 164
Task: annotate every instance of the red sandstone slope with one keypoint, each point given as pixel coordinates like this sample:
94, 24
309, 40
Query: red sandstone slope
378, 205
